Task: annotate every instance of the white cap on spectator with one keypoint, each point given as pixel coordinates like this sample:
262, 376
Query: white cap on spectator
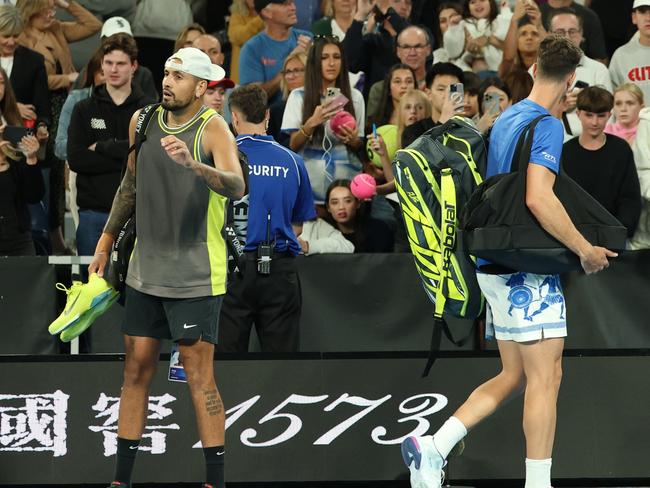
641, 3
116, 25
195, 62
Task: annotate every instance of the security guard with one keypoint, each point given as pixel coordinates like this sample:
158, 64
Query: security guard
266, 291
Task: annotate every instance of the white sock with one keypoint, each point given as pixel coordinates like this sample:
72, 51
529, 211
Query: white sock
450, 434
538, 473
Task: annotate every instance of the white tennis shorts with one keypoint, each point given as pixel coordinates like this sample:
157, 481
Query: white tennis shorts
523, 307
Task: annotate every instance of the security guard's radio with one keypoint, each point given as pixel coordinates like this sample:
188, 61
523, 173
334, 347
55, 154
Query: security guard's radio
265, 251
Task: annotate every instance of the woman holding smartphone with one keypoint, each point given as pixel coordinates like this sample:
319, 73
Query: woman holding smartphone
21, 181
328, 155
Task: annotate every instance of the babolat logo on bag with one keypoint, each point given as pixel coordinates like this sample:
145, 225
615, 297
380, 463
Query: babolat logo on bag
434, 177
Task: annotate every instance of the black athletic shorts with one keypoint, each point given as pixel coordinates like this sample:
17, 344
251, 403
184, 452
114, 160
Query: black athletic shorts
172, 318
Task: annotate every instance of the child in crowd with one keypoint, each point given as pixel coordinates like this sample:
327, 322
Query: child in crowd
477, 39
628, 102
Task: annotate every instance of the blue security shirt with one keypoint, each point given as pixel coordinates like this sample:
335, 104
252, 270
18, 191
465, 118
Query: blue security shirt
547, 142
277, 184
261, 57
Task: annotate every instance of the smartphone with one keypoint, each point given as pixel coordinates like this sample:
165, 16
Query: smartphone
457, 95
492, 103
14, 133
334, 96
581, 84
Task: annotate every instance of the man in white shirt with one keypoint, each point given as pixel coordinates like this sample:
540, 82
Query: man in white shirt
566, 22
631, 62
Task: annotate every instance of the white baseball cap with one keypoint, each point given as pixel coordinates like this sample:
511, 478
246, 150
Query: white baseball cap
195, 62
116, 25
641, 3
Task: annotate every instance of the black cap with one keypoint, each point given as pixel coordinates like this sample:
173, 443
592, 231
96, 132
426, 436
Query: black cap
260, 4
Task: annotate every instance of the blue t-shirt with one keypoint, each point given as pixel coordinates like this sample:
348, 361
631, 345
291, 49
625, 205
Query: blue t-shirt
547, 142
261, 57
278, 184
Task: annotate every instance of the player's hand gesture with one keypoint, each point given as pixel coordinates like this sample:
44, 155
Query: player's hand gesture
177, 150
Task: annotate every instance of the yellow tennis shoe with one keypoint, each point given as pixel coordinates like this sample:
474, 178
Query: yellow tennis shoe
81, 298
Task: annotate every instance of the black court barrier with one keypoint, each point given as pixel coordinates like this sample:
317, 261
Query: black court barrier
315, 419
356, 303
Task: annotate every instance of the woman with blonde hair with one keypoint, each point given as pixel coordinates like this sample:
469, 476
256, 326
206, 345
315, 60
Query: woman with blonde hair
413, 107
628, 102
293, 76
48, 36
244, 24
187, 36
338, 17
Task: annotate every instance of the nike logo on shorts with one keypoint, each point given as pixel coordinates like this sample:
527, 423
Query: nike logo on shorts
221, 453
185, 326
134, 447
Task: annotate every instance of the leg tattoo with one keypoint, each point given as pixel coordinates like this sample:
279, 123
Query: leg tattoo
213, 403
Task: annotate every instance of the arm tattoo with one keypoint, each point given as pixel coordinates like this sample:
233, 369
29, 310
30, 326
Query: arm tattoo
213, 404
224, 183
123, 204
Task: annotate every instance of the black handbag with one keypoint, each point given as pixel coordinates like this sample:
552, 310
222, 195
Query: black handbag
496, 224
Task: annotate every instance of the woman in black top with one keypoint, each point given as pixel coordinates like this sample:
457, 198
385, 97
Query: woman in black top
21, 181
346, 213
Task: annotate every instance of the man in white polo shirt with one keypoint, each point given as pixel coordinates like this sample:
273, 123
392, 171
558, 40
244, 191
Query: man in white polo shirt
631, 62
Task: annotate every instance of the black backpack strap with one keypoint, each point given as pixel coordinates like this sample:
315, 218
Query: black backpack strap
525, 145
439, 327
146, 114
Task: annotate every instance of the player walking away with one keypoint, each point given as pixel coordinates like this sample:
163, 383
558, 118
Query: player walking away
187, 169
530, 346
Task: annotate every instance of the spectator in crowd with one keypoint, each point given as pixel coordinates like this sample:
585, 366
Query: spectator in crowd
520, 83
477, 40
215, 95
105, 9
471, 85
338, 17
631, 62
188, 35
91, 76
565, 22
641, 149
522, 40
628, 102
156, 26
414, 106
449, 13
244, 24
615, 20
603, 164
21, 181
262, 56
142, 77
278, 202
413, 50
369, 44
327, 155
293, 76
348, 215
50, 37
26, 71
98, 138
211, 46
320, 237
594, 39
398, 81
439, 78
491, 87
